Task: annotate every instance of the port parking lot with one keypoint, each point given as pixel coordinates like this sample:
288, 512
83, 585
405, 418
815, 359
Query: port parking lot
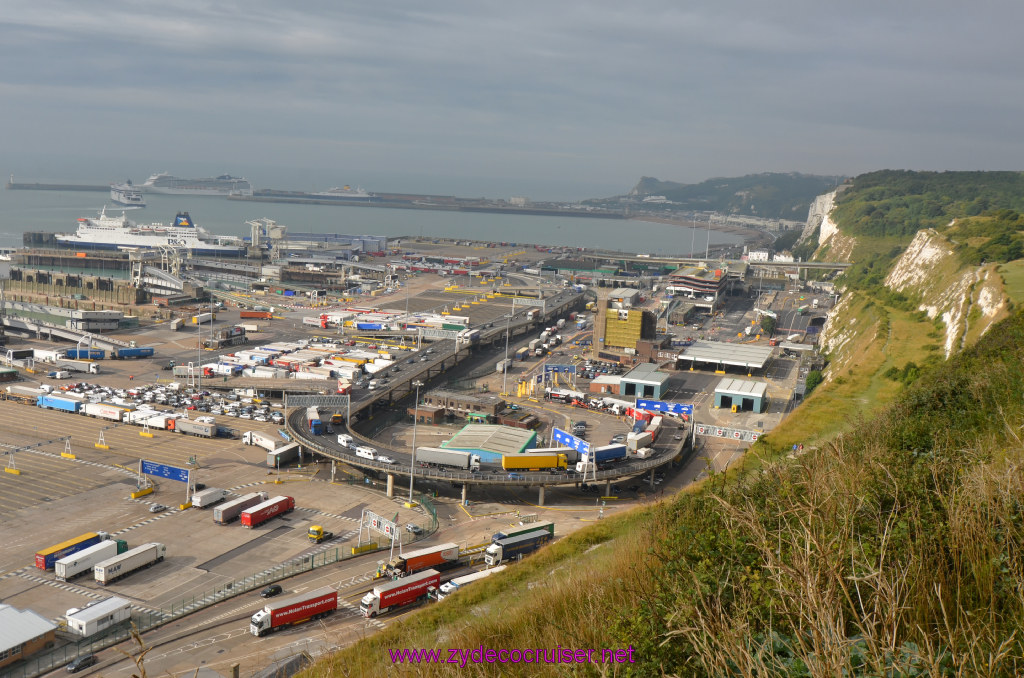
56, 498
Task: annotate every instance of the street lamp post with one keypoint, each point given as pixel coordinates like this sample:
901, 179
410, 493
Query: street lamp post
504, 365
415, 418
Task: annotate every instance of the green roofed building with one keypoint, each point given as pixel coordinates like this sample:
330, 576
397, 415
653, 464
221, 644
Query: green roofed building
492, 442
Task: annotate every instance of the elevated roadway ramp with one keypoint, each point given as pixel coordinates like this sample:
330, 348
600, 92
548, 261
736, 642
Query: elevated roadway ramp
328, 447
42, 329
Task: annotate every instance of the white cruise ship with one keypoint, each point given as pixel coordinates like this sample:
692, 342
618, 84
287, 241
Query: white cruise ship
127, 195
225, 184
347, 194
111, 233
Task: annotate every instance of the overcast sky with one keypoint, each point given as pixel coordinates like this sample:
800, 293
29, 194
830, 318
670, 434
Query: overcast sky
560, 99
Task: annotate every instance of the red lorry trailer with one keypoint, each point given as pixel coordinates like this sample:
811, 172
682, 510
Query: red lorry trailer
439, 557
294, 610
261, 513
400, 592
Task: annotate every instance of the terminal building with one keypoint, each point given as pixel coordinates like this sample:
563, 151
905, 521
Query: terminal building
741, 396
23, 633
644, 381
480, 408
492, 442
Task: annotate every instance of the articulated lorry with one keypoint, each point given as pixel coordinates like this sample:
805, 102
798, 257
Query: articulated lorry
261, 513
454, 585
208, 497
71, 566
55, 402
257, 438
398, 593
295, 610
226, 513
506, 549
195, 428
542, 525
25, 394
104, 411
448, 458
439, 557
77, 365
108, 571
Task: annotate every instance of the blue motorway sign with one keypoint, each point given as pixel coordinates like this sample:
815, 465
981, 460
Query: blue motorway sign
660, 406
562, 438
170, 472
568, 369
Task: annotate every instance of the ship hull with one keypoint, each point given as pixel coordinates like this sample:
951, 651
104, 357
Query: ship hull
209, 250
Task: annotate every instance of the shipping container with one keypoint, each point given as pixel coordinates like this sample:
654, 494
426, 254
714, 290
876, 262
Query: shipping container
534, 462
261, 513
47, 557
228, 512
256, 315
115, 568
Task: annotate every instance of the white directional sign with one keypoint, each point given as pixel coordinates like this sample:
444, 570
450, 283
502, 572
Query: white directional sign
381, 524
736, 434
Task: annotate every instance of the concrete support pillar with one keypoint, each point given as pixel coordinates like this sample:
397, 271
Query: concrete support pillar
607, 488
652, 479
391, 486
540, 499
465, 493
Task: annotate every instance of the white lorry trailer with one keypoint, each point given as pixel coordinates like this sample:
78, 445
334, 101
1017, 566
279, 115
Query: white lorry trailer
130, 561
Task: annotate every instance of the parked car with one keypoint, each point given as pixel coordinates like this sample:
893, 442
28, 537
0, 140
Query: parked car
82, 662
